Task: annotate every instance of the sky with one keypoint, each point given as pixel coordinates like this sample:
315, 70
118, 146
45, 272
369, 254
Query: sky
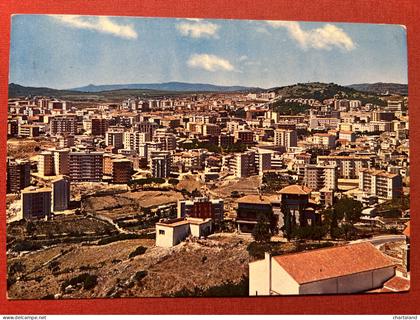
67, 51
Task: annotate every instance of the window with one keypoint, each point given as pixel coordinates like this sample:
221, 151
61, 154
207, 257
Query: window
161, 231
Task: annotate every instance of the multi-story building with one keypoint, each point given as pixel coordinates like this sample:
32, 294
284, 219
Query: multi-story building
285, 138
244, 164
380, 183
348, 166
324, 140
210, 129
61, 161
46, 163
319, 177
244, 136
349, 136
28, 130
35, 203
61, 125
263, 161
99, 126
167, 139
395, 105
85, 166
18, 175
251, 208
60, 194
201, 208
66, 141
161, 164
147, 127
323, 122
226, 140
122, 169
12, 128
115, 138
133, 139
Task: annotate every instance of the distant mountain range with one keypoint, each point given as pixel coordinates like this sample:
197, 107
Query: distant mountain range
166, 86
316, 90
381, 88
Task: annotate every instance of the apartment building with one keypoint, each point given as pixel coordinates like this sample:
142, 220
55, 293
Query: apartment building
122, 170
286, 138
60, 194
348, 166
99, 126
28, 130
167, 139
61, 125
244, 136
161, 162
35, 203
243, 164
202, 207
115, 138
324, 140
133, 139
65, 141
210, 129
85, 166
46, 163
380, 183
319, 177
18, 175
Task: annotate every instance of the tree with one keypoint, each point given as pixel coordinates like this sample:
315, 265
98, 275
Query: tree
348, 231
30, 228
287, 222
261, 232
348, 209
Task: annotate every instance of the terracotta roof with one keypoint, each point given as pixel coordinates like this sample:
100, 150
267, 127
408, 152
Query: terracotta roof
257, 199
295, 189
381, 173
397, 284
407, 230
333, 262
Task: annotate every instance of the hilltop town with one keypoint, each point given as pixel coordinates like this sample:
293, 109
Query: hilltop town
196, 193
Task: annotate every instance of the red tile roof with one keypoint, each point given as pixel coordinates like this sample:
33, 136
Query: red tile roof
333, 262
295, 189
397, 284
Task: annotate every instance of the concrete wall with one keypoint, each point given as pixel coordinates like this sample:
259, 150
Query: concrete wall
354, 283
180, 233
164, 236
282, 282
198, 230
382, 275
259, 278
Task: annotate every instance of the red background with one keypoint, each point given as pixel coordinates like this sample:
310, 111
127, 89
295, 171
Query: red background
404, 12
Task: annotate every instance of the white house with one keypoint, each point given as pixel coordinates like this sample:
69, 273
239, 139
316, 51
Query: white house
170, 233
345, 269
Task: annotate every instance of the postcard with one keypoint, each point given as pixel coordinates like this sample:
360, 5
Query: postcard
184, 157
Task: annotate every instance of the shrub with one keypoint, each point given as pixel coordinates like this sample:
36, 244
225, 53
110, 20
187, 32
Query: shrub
17, 267
87, 280
25, 245
139, 251
140, 275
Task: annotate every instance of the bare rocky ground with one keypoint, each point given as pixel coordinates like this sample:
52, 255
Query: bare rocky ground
194, 263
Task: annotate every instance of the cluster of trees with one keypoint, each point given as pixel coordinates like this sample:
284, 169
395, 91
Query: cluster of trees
212, 147
272, 181
338, 222
145, 181
289, 108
